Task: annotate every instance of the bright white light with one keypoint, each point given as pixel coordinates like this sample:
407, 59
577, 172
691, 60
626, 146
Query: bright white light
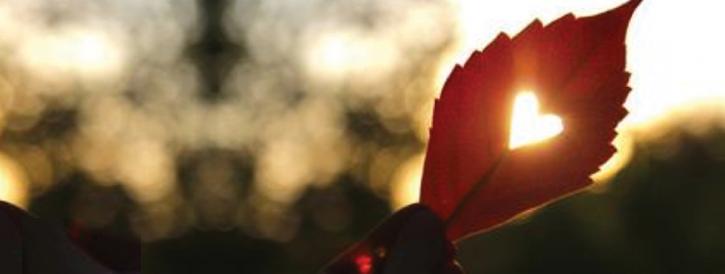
334, 54
527, 125
79, 51
339, 54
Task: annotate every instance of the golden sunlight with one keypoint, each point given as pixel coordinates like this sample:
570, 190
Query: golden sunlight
405, 187
333, 55
528, 125
72, 50
13, 185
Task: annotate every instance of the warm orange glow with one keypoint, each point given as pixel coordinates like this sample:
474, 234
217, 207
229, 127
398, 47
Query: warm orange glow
405, 185
625, 148
13, 185
528, 125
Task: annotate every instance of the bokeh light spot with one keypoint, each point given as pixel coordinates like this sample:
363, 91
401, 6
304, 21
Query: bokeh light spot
364, 263
13, 182
74, 50
405, 185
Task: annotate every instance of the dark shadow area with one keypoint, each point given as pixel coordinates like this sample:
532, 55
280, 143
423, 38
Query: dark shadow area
329, 219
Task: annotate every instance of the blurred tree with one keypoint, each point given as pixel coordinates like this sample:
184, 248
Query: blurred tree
316, 241
214, 53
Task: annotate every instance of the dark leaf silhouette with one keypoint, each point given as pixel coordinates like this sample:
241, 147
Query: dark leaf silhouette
411, 241
471, 179
30, 246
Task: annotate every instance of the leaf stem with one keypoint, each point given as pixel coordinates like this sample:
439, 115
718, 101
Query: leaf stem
476, 187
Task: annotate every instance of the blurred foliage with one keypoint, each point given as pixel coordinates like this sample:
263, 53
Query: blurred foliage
214, 114
330, 218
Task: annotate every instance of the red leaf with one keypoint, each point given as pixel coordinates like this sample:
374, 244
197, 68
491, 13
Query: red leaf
576, 65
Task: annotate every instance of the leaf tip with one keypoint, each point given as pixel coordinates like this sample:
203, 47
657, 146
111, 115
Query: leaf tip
627, 9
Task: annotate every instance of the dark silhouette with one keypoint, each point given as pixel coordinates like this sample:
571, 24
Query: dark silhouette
30, 246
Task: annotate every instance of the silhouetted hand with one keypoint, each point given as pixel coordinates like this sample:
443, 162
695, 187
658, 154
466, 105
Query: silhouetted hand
412, 241
29, 246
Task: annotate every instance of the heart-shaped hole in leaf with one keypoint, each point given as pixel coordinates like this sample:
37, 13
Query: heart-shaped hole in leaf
528, 125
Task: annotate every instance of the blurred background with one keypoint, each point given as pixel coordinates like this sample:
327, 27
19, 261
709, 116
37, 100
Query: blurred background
250, 136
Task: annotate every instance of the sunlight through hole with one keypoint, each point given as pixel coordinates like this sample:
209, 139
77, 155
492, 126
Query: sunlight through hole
528, 125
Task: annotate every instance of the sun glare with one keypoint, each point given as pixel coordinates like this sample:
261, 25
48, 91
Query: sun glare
528, 125
12, 182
